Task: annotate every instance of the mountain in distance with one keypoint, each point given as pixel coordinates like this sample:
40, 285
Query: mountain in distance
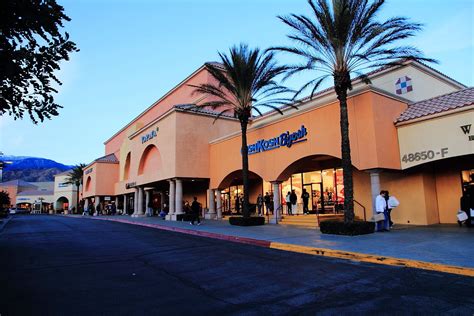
31, 169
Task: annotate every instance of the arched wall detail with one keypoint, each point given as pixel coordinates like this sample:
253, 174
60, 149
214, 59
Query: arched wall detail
150, 161
126, 169
88, 183
236, 174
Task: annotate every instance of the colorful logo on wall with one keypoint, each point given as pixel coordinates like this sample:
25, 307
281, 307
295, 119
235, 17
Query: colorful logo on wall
403, 85
286, 139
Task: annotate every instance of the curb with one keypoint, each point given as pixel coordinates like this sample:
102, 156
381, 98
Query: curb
322, 252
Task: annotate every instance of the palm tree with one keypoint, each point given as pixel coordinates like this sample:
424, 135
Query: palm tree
244, 82
342, 40
75, 177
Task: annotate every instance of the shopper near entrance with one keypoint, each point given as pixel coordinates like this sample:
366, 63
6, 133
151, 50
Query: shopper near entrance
383, 225
293, 200
392, 203
260, 204
305, 197
288, 203
237, 204
267, 203
195, 210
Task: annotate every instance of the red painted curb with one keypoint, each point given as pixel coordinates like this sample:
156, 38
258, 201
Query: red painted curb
241, 240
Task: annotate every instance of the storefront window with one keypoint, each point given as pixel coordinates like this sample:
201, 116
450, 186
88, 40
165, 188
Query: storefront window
312, 177
467, 179
297, 185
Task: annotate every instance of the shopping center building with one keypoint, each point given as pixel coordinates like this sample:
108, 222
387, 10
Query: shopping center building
410, 134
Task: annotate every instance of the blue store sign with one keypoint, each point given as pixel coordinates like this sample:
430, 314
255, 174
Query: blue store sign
284, 140
149, 135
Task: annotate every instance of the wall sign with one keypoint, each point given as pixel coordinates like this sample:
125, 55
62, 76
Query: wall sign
130, 185
88, 171
436, 139
150, 135
284, 140
403, 85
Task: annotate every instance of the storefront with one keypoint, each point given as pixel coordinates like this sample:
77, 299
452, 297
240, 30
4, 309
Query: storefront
169, 154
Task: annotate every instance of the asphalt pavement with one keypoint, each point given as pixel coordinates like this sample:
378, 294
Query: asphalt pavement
68, 266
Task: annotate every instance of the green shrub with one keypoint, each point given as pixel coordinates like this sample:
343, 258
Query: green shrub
246, 221
341, 228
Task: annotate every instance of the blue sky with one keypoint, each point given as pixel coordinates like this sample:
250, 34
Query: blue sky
133, 52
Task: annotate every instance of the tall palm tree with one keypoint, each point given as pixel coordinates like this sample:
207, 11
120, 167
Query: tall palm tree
340, 40
244, 82
75, 177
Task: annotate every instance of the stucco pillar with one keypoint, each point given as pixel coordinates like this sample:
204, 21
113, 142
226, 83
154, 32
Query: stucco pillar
96, 204
147, 202
211, 212
135, 202
374, 186
140, 211
219, 204
124, 211
179, 197
276, 203
86, 205
171, 200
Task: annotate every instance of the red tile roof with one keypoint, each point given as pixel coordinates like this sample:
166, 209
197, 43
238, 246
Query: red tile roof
446, 102
111, 158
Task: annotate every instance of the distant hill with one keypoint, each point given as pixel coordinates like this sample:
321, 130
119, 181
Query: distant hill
31, 169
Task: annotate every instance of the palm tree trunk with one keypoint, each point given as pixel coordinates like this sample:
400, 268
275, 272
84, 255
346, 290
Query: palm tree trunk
341, 91
245, 169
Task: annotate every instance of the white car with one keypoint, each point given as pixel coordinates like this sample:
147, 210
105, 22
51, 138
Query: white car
19, 210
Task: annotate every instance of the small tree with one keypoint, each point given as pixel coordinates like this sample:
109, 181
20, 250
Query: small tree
342, 40
75, 177
5, 203
31, 50
244, 82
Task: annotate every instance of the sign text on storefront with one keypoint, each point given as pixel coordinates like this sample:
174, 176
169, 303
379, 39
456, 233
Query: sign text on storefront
285, 139
150, 135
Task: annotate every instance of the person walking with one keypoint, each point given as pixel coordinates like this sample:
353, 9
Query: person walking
237, 204
288, 203
195, 208
383, 225
305, 197
293, 200
260, 204
266, 199
392, 203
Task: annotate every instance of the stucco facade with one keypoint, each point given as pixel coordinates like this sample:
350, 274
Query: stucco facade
168, 154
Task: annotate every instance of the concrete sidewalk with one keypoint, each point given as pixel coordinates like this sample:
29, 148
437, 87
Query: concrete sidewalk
440, 247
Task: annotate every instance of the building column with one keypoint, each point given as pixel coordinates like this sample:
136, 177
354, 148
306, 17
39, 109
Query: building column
219, 204
124, 210
276, 203
179, 197
211, 212
96, 204
147, 202
139, 203
135, 202
171, 200
374, 186
86, 205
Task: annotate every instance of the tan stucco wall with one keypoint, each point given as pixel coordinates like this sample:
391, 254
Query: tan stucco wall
372, 134
103, 179
448, 186
425, 85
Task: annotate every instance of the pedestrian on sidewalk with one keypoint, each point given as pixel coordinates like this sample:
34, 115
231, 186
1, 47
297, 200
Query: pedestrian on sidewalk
392, 203
237, 204
305, 197
293, 200
195, 208
381, 208
266, 198
288, 203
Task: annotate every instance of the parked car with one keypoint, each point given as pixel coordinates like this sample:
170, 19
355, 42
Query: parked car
19, 210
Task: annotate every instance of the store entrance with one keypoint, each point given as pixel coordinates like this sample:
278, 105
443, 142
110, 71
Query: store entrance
316, 200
